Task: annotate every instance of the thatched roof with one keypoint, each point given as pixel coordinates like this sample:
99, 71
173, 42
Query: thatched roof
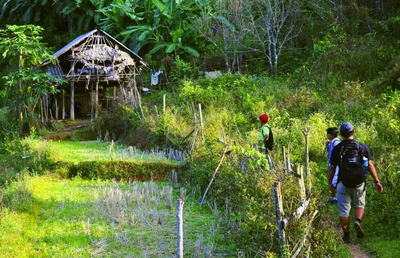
97, 32
96, 56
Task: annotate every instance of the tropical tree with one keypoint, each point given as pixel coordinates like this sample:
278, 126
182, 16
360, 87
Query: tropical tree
67, 18
257, 27
164, 28
221, 25
273, 24
27, 84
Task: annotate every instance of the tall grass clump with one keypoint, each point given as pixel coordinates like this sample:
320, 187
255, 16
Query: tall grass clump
17, 197
24, 155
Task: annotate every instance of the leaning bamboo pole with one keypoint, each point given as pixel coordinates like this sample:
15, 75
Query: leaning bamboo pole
215, 172
300, 245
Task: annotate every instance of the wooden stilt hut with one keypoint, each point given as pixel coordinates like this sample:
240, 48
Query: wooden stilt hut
99, 71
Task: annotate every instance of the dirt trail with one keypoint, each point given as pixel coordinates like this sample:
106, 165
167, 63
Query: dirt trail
358, 252
355, 249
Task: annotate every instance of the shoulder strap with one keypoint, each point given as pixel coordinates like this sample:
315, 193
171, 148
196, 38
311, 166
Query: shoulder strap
341, 154
262, 131
335, 140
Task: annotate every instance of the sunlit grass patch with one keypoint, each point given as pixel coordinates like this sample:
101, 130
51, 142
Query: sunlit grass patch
99, 151
89, 218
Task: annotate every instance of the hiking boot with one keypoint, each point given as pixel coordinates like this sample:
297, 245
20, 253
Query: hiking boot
333, 200
360, 231
346, 238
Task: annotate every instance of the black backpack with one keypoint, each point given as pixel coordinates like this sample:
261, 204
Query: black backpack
269, 144
351, 170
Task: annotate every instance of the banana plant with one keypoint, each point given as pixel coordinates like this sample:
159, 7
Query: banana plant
119, 14
82, 14
165, 28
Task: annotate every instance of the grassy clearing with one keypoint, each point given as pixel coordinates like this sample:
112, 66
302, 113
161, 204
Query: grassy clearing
80, 218
76, 151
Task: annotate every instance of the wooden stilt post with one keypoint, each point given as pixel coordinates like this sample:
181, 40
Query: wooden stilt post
96, 105
72, 115
56, 104
114, 93
41, 104
92, 99
72, 90
63, 105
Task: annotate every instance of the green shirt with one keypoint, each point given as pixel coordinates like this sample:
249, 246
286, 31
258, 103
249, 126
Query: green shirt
264, 131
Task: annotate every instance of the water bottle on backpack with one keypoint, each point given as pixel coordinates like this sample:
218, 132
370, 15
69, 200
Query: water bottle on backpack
365, 165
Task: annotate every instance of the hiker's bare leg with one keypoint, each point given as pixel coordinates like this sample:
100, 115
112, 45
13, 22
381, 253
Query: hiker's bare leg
345, 222
357, 223
360, 213
333, 193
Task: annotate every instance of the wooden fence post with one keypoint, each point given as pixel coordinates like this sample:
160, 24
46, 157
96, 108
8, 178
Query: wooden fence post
194, 128
286, 159
179, 222
301, 184
201, 120
280, 215
306, 133
164, 103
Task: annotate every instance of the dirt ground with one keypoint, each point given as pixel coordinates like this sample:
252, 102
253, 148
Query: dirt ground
354, 248
357, 251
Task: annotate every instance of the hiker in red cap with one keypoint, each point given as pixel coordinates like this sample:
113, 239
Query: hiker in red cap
264, 133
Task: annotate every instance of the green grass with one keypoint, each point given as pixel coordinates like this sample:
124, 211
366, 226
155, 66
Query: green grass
382, 247
75, 151
80, 218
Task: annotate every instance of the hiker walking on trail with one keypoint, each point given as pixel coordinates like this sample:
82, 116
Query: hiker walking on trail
350, 155
264, 134
333, 140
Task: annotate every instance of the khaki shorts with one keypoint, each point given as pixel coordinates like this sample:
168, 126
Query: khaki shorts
335, 176
350, 197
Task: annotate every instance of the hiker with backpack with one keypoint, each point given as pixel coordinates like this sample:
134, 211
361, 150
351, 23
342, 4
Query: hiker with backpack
265, 141
333, 140
350, 155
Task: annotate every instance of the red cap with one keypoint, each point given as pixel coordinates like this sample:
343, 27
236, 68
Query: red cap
264, 118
